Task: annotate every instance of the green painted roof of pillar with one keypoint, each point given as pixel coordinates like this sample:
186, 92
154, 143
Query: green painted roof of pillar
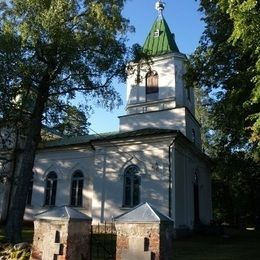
160, 39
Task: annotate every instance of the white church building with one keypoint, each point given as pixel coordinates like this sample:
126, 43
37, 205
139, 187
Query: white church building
155, 156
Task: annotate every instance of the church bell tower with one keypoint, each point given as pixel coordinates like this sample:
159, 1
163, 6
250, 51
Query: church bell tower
160, 99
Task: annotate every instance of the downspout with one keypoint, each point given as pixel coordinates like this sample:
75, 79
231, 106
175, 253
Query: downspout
170, 176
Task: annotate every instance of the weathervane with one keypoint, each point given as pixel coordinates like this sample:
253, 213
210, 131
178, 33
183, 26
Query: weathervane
159, 6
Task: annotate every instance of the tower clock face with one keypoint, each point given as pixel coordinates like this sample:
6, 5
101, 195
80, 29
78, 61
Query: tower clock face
7, 138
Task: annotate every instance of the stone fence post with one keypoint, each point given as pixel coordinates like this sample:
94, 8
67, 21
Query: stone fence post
61, 233
144, 234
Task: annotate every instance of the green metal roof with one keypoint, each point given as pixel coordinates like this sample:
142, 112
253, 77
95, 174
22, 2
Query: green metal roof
88, 139
160, 39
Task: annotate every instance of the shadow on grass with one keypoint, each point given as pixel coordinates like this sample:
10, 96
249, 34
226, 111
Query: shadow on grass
234, 245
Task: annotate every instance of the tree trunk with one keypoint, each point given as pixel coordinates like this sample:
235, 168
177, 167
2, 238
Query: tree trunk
23, 173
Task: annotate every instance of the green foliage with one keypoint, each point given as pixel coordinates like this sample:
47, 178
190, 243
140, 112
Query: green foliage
8, 252
70, 121
19, 255
52, 51
245, 16
225, 69
236, 183
74, 46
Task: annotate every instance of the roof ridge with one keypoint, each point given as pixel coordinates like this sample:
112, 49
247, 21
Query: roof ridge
151, 208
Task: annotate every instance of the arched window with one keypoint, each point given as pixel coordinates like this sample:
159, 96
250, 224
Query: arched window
50, 189
76, 189
151, 85
30, 190
132, 183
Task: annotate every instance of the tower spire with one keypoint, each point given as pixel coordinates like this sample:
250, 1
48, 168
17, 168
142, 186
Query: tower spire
159, 6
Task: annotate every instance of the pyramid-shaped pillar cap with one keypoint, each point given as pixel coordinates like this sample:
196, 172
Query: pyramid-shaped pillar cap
63, 213
143, 213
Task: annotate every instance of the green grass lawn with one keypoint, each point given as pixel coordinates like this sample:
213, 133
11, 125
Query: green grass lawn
240, 245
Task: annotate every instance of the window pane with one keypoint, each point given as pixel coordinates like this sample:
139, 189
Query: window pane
53, 193
80, 189
48, 184
47, 193
128, 180
51, 186
73, 193
136, 191
77, 189
131, 186
52, 175
127, 196
152, 83
77, 174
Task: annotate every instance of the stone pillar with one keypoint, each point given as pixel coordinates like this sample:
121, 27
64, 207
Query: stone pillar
144, 234
61, 233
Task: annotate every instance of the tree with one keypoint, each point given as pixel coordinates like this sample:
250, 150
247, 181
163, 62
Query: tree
70, 122
50, 50
246, 32
225, 68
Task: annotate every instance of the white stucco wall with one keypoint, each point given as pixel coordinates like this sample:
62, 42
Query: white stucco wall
172, 110
178, 119
64, 163
165, 119
192, 124
103, 167
111, 162
165, 67
187, 162
172, 90
103, 170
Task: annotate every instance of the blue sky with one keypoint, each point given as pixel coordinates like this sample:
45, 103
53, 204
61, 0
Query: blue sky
184, 21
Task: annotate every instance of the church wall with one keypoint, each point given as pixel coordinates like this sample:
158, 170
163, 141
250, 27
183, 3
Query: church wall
103, 170
205, 194
186, 164
111, 163
180, 191
168, 119
193, 125
164, 66
106, 185
184, 94
180, 88
64, 163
